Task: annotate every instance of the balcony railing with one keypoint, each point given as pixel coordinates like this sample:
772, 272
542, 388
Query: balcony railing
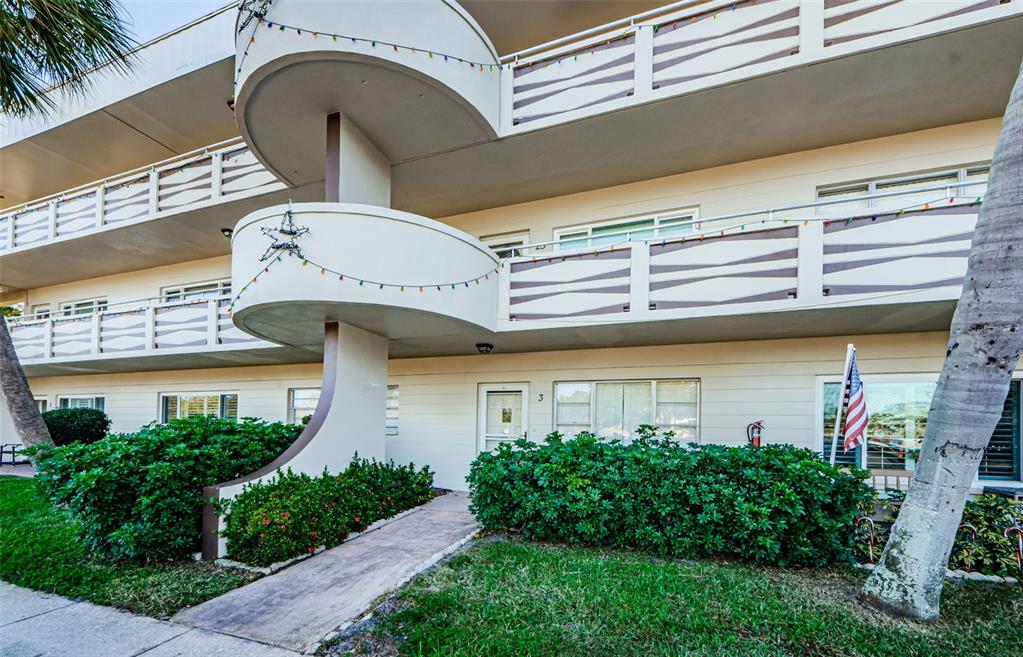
219, 173
879, 248
696, 44
130, 329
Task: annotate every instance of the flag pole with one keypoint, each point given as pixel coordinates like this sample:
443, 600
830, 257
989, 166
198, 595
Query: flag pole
849, 349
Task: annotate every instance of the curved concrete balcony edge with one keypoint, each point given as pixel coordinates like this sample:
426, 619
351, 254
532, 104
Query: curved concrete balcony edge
389, 272
413, 92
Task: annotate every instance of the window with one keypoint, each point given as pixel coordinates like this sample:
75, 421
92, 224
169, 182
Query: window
41, 311
897, 409
391, 421
179, 405
909, 187
621, 230
85, 307
42, 404
209, 290
81, 402
507, 245
617, 408
301, 404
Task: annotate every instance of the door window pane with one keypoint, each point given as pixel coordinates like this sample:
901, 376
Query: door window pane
503, 417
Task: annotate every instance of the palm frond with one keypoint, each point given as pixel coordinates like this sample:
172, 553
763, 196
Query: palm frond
49, 44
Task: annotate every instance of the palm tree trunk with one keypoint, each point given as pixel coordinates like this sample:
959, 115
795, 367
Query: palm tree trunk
20, 402
984, 345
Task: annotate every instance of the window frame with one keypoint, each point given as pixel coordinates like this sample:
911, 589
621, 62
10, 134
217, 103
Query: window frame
901, 377
691, 214
40, 311
961, 173
223, 289
99, 304
388, 430
161, 405
101, 400
512, 242
697, 433
290, 415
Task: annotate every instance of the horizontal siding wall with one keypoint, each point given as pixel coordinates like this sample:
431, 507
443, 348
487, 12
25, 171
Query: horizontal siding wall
774, 381
127, 287
754, 185
133, 399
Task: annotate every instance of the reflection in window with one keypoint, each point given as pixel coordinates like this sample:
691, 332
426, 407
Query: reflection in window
614, 409
898, 420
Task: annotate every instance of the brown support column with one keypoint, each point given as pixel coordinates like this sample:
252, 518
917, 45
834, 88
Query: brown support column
332, 169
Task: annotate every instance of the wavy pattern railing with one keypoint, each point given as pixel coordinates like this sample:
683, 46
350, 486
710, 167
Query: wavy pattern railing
874, 256
172, 327
693, 45
219, 173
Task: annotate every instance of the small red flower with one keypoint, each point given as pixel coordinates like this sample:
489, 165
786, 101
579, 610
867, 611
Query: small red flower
358, 519
266, 521
311, 549
262, 535
285, 515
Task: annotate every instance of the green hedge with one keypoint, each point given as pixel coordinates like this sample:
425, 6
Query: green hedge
989, 552
775, 505
139, 495
293, 514
76, 425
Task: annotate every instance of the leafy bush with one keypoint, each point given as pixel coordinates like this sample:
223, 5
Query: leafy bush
293, 514
989, 552
776, 505
76, 425
140, 494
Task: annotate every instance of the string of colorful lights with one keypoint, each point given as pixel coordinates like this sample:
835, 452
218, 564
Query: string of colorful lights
716, 232
362, 281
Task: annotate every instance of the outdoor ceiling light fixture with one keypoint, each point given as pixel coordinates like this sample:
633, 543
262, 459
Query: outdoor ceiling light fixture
227, 232
484, 347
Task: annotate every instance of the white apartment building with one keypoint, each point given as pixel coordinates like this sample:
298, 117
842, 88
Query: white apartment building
677, 217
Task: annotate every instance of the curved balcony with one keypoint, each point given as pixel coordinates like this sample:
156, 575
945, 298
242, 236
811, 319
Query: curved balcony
392, 273
418, 82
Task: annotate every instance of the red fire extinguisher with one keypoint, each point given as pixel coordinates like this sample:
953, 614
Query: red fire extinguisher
753, 431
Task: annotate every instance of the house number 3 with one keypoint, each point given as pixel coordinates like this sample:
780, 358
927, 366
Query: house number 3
539, 397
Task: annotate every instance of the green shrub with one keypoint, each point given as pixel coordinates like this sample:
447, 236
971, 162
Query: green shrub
990, 552
139, 495
293, 514
775, 505
76, 425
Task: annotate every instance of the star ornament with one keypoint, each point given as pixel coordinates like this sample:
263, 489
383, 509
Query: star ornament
283, 237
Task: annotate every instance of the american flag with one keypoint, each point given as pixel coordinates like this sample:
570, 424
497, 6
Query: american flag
856, 407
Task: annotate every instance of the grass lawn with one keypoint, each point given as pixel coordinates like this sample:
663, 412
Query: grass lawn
40, 549
517, 598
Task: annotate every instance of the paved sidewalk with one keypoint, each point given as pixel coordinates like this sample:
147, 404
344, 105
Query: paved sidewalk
298, 606
281, 615
34, 624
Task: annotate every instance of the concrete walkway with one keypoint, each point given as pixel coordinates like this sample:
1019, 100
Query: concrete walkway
34, 624
298, 606
281, 615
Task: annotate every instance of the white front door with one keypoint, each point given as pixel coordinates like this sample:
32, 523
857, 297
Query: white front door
502, 414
